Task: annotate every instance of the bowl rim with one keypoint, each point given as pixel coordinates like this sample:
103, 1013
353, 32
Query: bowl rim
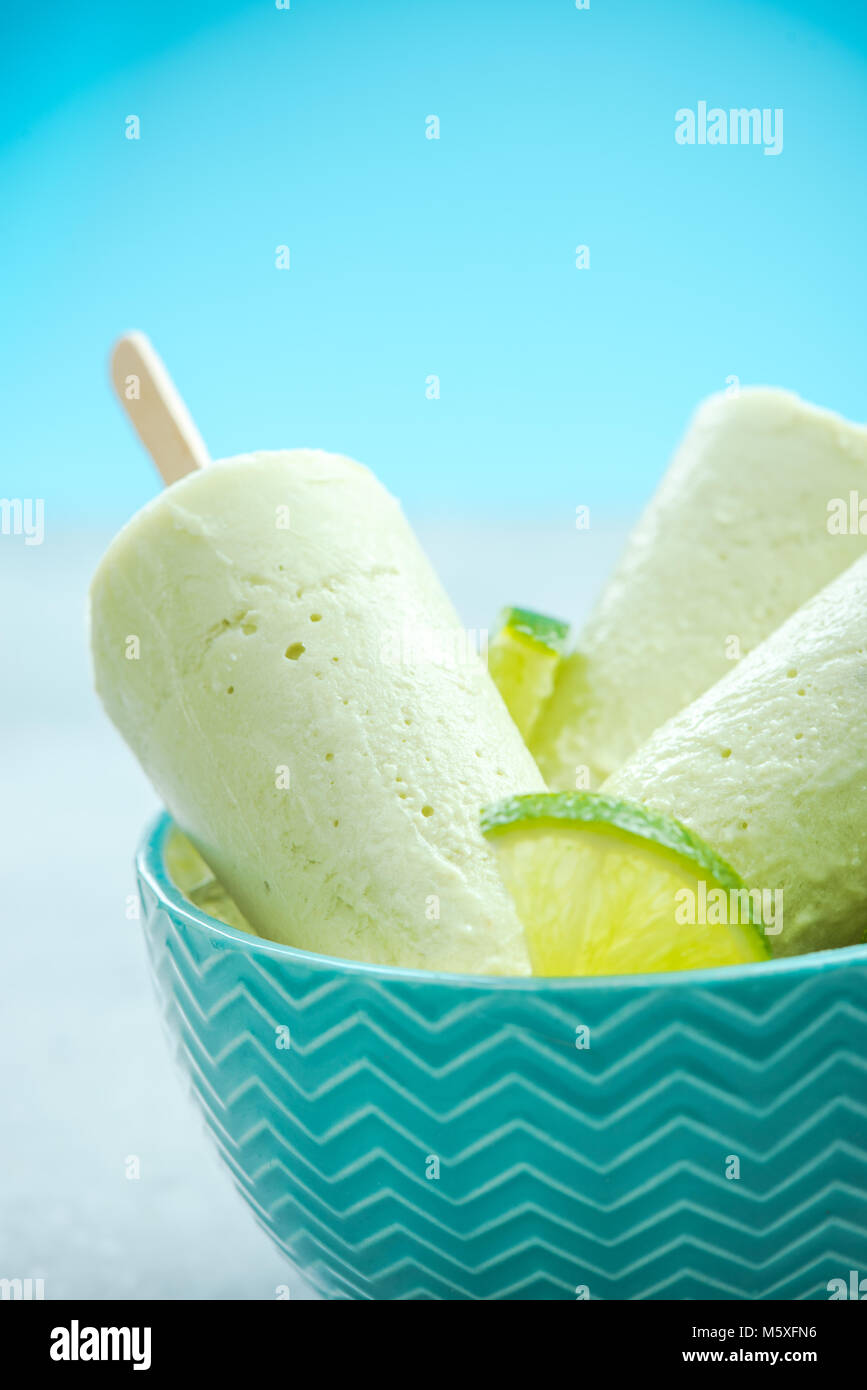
151, 869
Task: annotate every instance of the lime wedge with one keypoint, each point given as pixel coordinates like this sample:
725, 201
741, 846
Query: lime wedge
523, 657
607, 888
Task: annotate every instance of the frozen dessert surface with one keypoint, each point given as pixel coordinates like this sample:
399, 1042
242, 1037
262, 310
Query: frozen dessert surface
770, 767
274, 646
734, 540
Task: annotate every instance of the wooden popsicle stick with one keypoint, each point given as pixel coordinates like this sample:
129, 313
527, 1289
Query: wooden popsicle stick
156, 409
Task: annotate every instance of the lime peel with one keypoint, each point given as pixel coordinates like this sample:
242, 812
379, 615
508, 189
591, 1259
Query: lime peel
549, 632
523, 659
595, 880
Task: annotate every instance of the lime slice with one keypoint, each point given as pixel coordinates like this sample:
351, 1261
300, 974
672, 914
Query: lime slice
523, 657
189, 872
607, 888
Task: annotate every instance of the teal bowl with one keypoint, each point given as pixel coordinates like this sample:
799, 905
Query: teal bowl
406, 1135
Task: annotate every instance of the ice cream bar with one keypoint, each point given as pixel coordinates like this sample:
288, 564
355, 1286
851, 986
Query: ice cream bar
275, 648
745, 527
770, 767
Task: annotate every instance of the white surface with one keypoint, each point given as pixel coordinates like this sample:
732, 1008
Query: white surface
86, 1078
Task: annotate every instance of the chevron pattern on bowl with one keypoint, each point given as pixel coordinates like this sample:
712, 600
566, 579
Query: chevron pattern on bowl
403, 1135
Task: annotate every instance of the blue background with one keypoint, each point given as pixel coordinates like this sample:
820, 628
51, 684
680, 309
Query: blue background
306, 127
409, 257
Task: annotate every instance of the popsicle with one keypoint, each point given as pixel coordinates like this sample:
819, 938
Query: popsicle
740, 532
770, 767
275, 648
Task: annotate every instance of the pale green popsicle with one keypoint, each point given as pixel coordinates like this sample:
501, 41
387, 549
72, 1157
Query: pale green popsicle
275, 648
769, 766
735, 539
